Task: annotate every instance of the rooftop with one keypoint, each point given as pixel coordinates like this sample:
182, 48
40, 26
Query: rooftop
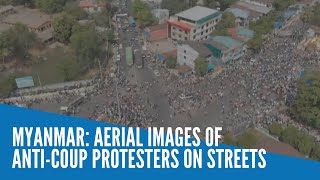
262, 1
216, 45
90, 3
45, 35
196, 13
252, 7
239, 12
241, 33
200, 48
29, 17
227, 41
245, 32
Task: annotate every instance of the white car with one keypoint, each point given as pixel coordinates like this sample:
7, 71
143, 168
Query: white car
118, 57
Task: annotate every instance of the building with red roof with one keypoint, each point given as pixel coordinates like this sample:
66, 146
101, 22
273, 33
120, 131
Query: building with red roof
92, 6
194, 24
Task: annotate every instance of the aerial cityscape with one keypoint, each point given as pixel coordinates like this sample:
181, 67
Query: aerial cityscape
249, 66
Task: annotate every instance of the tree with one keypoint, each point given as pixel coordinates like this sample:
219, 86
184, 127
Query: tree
228, 139
211, 3
176, 6
69, 68
311, 15
171, 62
254, 44
18, 40
7, 85
315, 154
306, 107
228, 20
142, 12
72, 8
87, 46
291, 136
62, 28
102, 19
306, 144
50, 6
4, 53
306, 15
224, 4
275, 129
281, 5
248, 140
201, 66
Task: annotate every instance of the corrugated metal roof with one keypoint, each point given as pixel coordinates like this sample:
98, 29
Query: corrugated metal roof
250, 6
242, 31
227, 42
200, 48
238, 12
197, 13
25, 82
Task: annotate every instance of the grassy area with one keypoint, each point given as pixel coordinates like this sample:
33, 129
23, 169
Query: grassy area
260, 140
44, 67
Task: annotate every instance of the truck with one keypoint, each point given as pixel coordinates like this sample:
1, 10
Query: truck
129, 56
132, 22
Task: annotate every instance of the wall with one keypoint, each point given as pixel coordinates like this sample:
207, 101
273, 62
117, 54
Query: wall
186, 55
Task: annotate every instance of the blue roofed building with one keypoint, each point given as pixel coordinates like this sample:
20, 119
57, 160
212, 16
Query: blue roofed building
242, 16
225, 48
25, 82
241, 34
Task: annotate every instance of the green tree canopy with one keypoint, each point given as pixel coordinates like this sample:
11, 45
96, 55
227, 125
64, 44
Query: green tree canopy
102, 19
228, 20
7, 85
275, 129
306, 108
248, 140
50, 6
201, 66
87, 46
142, 12
281, 5
62, 28
171, 62
70, 69
311, 15
72, 8
19, 40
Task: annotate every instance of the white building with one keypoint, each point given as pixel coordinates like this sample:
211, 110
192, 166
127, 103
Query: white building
161, 14
194, 24
188, 52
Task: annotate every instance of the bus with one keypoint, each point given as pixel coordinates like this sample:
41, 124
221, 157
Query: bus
129, 56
